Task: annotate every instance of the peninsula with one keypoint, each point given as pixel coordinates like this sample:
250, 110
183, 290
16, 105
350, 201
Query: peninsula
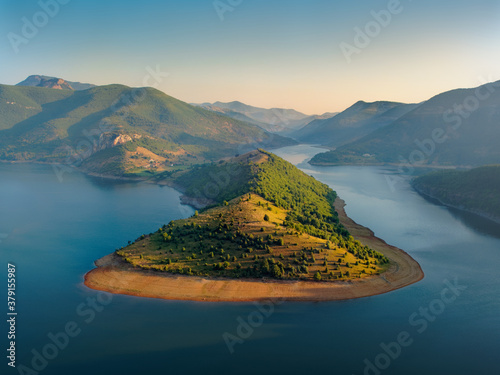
269, 231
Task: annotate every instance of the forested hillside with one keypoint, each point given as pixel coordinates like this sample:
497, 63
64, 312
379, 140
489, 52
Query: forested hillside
455, 128
269, 219
476, 190
119, 130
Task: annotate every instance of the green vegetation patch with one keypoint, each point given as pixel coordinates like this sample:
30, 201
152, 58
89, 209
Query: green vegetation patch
234, 240
268, 219
309, 202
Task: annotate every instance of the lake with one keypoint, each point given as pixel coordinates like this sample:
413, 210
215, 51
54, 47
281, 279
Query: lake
53, 231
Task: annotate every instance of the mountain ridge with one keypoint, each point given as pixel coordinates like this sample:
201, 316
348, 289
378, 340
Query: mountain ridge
440, 131
54, 83
358, 120
120, 130
276, 120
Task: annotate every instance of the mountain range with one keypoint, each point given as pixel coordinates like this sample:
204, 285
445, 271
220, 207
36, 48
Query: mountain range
456, 128
276, 120
118, 130
355, 122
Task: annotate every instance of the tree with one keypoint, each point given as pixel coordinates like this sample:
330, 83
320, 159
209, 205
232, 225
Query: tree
266, 217
196, 214
317, 276
276, 272
265, 266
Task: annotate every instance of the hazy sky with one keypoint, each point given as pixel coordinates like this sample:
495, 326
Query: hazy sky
268, 53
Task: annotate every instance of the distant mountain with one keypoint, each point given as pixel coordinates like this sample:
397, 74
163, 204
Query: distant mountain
355, 122
276, 120
54, 83
475, 190
105, 130
459, 127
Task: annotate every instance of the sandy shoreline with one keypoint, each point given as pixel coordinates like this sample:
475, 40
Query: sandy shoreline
116, 276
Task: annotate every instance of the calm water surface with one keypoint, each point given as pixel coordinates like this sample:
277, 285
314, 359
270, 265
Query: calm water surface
53, 231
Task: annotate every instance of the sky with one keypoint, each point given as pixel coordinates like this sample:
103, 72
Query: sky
314, 56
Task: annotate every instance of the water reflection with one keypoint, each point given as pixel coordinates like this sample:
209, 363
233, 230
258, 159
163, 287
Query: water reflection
476, 222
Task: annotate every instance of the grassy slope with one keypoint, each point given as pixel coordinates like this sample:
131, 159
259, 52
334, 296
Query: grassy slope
19, 103
235, 241
476, 190
300, 237
471, 139
273, 178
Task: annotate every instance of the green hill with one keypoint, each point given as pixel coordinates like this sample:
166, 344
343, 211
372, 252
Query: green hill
476, 190
459, 127
20, 103
268, 220
355, 122
115, 129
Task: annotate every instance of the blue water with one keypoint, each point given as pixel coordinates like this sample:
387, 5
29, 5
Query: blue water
53, 231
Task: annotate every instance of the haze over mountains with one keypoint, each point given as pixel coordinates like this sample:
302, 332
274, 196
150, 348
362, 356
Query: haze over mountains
115, 129
456, 128
355, 122
276, 120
